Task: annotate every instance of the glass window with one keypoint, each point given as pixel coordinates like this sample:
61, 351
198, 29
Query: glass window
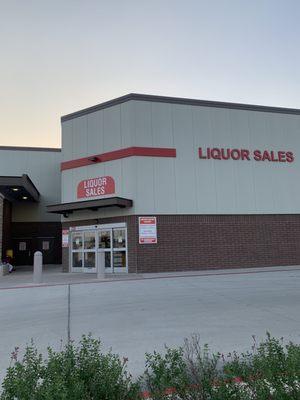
107, 259
119, 238
104, 240
89, 240
89, 260
77, 241
119, 258
77, 260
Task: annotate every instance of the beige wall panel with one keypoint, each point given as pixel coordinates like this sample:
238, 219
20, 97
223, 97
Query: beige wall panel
205, 185
185, 173
94, 133
68, 185
67, 140
79, 133
162, 127
128, 178
111, 129
164, 186
262, 172
143, 128
127, 124
225, 177
43, 168
243, 171
144, 200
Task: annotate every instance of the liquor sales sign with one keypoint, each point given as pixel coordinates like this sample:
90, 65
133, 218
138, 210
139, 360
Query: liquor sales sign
147, 230
95, 187
217, 153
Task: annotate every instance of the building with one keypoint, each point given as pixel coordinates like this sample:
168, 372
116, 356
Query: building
29, 181
167, 184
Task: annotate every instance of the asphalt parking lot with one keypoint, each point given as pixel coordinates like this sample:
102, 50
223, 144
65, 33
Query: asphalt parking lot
137, 316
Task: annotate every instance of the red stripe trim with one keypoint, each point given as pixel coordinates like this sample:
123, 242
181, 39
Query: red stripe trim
118, 154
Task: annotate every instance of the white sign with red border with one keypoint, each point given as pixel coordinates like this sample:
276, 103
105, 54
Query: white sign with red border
147, 230
65, 238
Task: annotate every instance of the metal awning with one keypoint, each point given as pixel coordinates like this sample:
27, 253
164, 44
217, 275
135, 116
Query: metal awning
94, 205
18, 188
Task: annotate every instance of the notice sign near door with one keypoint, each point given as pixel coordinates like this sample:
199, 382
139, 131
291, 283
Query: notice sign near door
65, 238
147, 230
95, 187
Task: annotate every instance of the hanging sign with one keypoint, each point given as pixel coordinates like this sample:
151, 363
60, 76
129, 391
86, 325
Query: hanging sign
147, 230
65, 238
95, 187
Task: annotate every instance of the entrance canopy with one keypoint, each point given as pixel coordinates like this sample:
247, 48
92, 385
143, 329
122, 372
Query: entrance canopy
94, 205
18, 188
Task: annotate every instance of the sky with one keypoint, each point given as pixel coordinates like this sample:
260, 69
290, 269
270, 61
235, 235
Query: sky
57, 57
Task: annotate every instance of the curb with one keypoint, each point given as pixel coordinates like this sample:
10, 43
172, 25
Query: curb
30, 286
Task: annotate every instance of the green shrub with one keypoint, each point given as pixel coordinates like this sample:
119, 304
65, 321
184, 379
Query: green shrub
270, 371
80, 372
191, 372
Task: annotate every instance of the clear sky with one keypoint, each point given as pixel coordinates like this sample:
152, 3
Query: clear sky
59, 56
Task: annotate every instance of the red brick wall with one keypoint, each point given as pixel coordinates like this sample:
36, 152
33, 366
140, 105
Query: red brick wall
195, 242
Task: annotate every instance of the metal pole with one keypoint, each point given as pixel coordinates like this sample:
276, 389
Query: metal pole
101, 265
37, 267
69, 314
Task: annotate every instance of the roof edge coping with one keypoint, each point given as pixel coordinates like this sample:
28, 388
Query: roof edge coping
178, 100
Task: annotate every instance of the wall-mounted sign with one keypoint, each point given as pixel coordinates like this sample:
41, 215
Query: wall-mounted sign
217, 153
46, 245
22, 246
65, 238
94, 187
147, 230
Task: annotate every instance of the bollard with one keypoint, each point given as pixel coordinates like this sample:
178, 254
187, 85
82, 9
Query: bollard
37, 267
101, 265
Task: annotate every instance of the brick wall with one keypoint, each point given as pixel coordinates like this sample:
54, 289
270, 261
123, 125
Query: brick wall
195, 242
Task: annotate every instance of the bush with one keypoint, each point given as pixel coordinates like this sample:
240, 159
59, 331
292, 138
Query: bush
271, 370
75, 373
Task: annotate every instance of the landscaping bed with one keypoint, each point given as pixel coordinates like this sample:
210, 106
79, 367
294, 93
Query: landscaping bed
270, 370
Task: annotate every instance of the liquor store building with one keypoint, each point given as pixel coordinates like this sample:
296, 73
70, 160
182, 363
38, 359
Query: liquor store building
169, 184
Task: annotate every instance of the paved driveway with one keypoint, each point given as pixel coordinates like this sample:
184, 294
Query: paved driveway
142, 315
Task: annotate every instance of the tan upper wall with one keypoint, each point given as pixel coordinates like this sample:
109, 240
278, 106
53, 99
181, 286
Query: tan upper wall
43, 168
187, 184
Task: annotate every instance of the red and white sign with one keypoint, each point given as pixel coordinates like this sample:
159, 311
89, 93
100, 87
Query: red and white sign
65, 238
147, 230
95, 187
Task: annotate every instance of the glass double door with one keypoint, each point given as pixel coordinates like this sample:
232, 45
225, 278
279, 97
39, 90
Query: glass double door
87, 247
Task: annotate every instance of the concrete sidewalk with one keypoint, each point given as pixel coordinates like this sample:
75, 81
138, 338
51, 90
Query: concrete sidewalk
53, 275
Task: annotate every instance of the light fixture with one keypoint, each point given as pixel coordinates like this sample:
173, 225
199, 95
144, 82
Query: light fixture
15, 189
94, 159
24, 197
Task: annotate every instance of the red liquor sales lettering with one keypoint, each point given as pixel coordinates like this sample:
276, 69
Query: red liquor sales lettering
217, 153
94, 187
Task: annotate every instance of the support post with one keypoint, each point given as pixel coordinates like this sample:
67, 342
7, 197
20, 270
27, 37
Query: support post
101, 265
37, 267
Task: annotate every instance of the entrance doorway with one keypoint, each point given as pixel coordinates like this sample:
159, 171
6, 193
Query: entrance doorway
47, 246
23, 251
88, 244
